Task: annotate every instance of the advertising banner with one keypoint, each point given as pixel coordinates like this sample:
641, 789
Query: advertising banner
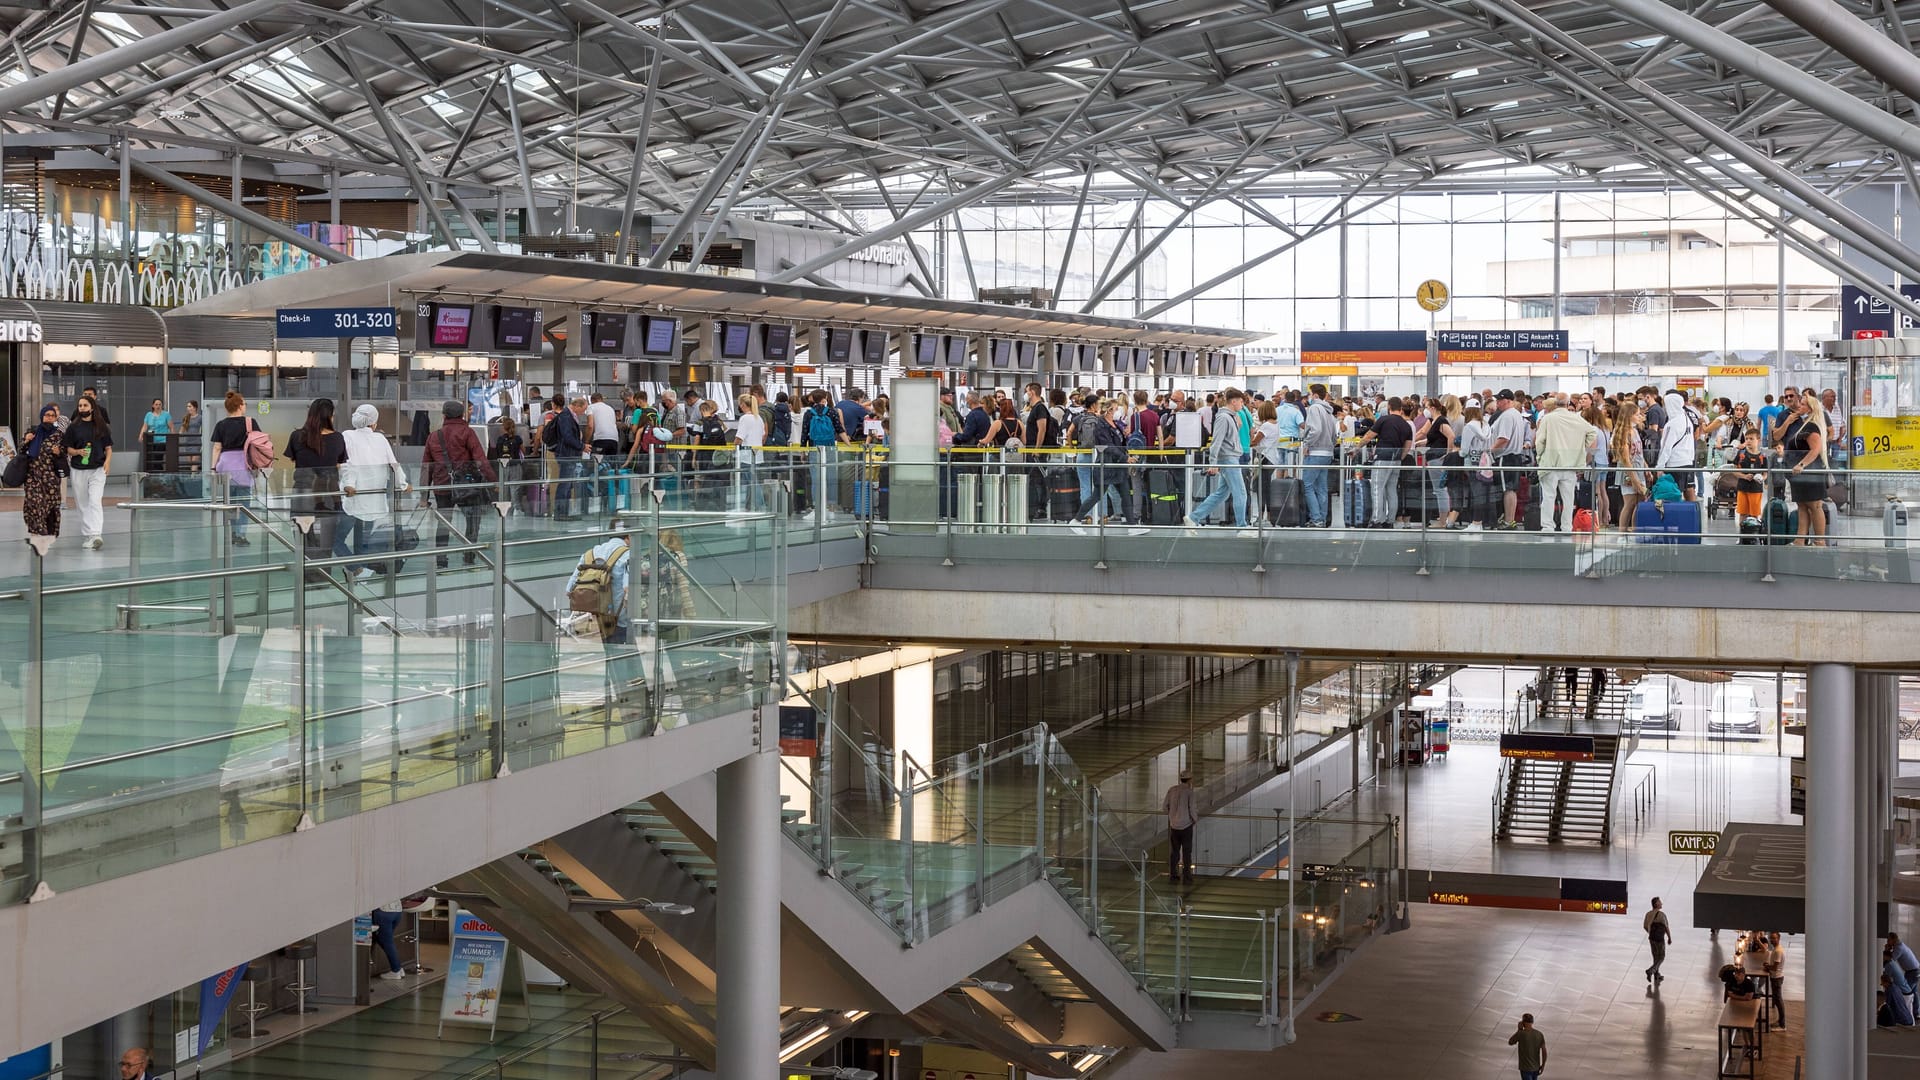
476, 969
216, 993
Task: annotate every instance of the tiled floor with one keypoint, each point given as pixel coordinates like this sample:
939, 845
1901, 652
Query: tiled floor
1438, 1001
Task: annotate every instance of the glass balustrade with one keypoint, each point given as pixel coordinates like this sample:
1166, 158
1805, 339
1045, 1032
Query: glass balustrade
216, 691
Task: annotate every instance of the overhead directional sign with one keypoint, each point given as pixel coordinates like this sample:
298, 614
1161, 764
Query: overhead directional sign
1502, 346
337, 322
1363, 347
1860, 311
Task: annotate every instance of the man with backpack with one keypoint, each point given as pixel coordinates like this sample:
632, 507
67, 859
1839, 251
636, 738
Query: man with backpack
600, 587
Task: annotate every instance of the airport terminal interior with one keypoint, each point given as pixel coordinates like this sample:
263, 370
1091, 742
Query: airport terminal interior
959, 539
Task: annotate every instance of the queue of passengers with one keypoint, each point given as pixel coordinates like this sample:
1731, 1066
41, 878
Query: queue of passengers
1486, 461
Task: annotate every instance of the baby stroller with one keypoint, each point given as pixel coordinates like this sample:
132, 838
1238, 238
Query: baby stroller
1721, 494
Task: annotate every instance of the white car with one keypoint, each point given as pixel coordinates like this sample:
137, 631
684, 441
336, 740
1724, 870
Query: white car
1734, 710
1655, 703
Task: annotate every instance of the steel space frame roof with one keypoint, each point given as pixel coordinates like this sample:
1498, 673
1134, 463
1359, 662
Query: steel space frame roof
874, 117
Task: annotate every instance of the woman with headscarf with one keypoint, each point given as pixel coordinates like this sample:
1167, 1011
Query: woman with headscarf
46, 463
363, 482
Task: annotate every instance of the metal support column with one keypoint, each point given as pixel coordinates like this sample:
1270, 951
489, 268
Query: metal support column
1868, 717
1834, 1024
748, 983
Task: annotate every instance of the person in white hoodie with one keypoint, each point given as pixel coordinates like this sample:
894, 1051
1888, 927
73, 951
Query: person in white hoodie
1677, 451
363, 480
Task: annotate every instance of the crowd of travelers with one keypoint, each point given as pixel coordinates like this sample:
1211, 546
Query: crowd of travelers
1497, 460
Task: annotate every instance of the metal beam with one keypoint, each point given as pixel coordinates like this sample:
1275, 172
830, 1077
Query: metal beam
639, 163
1853, 39
781, 97
117, 61
1840, 105
233, 209
1073, 233
520, 153
969, 196
1323, 225
402, 153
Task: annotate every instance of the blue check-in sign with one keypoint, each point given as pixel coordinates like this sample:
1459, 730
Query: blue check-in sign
336, 322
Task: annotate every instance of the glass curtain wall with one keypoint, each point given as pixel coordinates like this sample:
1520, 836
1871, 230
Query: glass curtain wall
1649, 277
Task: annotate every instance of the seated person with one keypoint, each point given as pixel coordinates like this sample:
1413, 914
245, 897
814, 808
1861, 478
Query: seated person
1894, 1010
1738, 986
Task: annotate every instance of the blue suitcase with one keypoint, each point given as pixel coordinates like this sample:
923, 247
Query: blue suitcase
1356, 500
1667, 523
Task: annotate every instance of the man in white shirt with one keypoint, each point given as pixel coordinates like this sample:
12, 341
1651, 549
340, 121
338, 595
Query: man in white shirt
1181, 819
1563, 442
603, 427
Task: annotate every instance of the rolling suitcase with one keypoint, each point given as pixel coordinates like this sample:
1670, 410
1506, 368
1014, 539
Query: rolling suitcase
1163, 497
1529, 503
1063, 494
1650, 523
1285, 497
1356, 500
1782, 521
1583, 494
1751, 530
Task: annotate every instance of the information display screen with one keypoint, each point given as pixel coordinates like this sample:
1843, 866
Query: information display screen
1025, 356
926, 350
513, 328
873, 347
776, 341
839, 345
452, 325
999, 354
1123, 360
956, 349
1089, 358
659, 333
1065, 356
607, 332
735, 340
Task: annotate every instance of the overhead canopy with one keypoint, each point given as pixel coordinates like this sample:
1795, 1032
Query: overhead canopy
399, 280
1757, 880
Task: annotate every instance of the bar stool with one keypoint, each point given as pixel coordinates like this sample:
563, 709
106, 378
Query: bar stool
256, 978
300, 952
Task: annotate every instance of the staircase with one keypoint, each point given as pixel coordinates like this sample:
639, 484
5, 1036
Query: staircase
1566, 801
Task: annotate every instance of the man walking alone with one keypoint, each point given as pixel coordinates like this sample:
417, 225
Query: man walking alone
1658, 935
1180, 821
1533, 1048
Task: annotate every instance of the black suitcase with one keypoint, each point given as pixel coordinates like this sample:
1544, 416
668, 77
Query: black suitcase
1752, 530
1286, 495
1163, 497
1583, 494
1063, 494
1530, 503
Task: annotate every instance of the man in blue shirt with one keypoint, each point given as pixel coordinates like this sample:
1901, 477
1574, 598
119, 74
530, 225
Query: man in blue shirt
1292, 421
1769, 415
853, 415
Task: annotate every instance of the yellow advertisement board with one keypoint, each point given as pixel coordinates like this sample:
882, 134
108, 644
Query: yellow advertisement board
1885, 442
1739, 371
1330, 369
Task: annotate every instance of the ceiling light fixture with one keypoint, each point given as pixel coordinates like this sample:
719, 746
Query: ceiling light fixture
989, 985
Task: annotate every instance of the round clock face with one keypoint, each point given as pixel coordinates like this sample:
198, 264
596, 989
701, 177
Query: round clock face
1432, 295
